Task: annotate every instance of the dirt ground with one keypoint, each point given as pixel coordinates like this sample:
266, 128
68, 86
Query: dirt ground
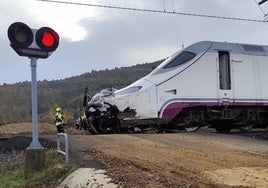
180, 160
200, 159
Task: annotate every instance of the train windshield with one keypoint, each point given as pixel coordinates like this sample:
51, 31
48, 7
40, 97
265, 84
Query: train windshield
180, 59
174, 61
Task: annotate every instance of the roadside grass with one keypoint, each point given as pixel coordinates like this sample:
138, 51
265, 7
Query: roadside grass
12, 172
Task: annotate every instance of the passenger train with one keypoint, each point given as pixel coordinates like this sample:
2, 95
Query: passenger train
216, 84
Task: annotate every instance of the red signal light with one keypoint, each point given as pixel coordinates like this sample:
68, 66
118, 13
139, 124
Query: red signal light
47, 39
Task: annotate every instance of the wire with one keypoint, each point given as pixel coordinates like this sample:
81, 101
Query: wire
155, 11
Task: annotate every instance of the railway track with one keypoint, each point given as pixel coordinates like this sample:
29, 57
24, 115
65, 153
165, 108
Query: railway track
260, 135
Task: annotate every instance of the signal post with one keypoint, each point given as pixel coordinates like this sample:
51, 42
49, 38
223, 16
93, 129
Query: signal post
34, 44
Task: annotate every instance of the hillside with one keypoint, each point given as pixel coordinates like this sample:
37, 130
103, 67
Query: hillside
15, 99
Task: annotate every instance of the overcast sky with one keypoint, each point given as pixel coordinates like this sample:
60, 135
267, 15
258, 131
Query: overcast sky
99, 38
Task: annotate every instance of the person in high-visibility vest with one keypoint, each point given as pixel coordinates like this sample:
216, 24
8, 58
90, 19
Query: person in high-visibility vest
59, 120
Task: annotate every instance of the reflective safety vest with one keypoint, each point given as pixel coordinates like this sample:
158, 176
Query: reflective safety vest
59, 119
83, 118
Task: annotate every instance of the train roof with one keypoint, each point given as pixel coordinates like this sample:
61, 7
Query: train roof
202, 47
246, 49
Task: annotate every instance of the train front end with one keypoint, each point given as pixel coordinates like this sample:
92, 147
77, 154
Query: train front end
136, 101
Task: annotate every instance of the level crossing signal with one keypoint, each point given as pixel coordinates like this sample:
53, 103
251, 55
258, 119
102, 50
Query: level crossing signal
29, 42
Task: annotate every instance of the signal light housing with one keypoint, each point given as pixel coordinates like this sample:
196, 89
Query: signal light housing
29, 42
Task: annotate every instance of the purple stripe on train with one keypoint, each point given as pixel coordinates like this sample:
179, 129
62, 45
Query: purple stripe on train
174, 108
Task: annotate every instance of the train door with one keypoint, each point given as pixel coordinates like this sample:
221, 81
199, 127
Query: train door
225, 90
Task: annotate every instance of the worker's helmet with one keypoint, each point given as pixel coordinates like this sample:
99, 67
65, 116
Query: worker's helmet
58, 109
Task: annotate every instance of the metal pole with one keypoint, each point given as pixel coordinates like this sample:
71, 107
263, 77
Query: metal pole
35, 142
66, 148
66, 152
58, 142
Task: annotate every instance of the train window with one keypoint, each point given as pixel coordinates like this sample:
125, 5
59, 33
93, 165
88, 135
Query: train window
180, 59
128, 90
252, 48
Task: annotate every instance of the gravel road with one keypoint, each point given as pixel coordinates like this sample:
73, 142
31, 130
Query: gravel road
201, 159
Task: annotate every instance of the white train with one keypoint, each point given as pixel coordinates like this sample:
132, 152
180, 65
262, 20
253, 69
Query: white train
216, 84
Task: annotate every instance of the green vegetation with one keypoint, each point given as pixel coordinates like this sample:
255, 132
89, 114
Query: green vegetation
12, 173
15, 99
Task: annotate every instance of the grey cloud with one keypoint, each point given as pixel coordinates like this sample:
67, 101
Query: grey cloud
122, 38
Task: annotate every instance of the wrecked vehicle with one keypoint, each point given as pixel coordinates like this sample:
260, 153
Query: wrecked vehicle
100, 117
